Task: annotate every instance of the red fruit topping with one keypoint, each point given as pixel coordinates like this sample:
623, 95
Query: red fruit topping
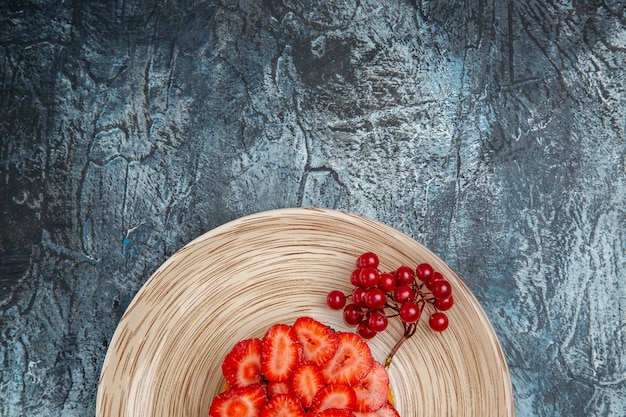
377, 321
386, 410
441, 289
435, 277
403, 293
351, 362
444, 304
283, 405
275, 388
369, 277
336, 300
239, 402
404, 275
438, 322
424, 272
358, 296
334, 396
373, 390
355, 277
410, 312
280, 353
364, 330
319, 342
379, 295
335, 412
369, 259
306, 381
375, 298
304, 370
352, 314
242, 365
387, 282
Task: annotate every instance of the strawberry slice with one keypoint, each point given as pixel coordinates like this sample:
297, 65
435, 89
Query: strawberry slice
274, 388
239, 402
387, 410
335, 412
372, 391
280, 352
351, 362
306, 381
334, 396
282, 405
319, 342
242, 365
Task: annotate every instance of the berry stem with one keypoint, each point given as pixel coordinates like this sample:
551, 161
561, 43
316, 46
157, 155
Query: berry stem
409, 330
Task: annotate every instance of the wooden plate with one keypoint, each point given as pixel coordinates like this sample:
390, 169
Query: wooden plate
238, 279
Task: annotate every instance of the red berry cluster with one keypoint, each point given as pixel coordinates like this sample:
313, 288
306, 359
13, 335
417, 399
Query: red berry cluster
405, 292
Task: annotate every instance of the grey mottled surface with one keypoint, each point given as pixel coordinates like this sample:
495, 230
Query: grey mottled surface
492, 131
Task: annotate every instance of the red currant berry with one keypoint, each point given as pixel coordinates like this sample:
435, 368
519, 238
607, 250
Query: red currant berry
369, 277
358, 296
375, 298
387, 282
367, 259
410, 312
355, 277
353, 314
403, 293
444, 304
377, 321
441, 289
438, 322
424, 272
404, 275
436, 277
336, 300
364, 330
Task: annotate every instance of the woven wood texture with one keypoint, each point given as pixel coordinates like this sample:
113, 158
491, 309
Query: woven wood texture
238, 279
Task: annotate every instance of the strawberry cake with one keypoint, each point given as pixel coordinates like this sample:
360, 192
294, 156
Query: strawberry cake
303, 370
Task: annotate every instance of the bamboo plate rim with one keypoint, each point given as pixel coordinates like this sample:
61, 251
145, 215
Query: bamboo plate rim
236, 280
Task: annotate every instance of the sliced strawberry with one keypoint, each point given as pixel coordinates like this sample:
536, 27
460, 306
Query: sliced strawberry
373, 389
387, 410
242, 365
239, 402
282, 405
334, 396
335, 412
280, 353
351, 362
306, 381
275, 388
319, 342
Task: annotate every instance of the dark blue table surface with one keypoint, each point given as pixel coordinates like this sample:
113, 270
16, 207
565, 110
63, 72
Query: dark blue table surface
494, 132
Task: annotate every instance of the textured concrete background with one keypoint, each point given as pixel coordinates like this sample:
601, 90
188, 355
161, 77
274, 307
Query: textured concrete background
491, 131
